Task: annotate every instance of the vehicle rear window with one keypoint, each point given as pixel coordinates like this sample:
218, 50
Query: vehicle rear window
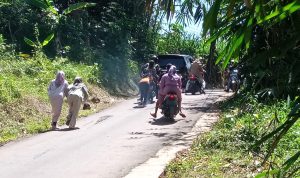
178, 61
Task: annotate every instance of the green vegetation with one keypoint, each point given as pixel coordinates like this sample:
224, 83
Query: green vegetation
177, 41
228, 150
100, 40
96, 40
262, 37
24, 105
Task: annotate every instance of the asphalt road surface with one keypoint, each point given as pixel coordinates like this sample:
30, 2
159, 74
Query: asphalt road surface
107, 145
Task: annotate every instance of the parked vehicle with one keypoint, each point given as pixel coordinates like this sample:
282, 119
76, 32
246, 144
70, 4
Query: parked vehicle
194, 86
170, 106
181, 61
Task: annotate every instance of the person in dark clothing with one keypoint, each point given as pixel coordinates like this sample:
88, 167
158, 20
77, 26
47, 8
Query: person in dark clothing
229, 72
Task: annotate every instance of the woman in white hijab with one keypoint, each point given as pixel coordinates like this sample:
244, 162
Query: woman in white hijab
57, 90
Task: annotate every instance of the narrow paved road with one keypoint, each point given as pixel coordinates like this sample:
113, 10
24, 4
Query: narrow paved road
108, 144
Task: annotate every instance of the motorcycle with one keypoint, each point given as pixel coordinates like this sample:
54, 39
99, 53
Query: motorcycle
193, 85
152, 92
234, 82
170, 106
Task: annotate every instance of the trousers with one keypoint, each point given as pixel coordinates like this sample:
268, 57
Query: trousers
74, 102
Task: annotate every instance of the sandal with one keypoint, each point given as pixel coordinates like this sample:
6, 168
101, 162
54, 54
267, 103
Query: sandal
153, 115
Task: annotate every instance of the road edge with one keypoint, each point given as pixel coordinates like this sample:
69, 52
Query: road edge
156, 165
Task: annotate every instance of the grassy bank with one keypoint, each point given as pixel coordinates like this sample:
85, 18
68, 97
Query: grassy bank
24, 104
227, 151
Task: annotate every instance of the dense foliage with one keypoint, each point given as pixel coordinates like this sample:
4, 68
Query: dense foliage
227, 150
108, 33
263, 38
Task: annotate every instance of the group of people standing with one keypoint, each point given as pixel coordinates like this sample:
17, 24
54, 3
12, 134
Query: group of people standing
152, 79
76, 93
150, 76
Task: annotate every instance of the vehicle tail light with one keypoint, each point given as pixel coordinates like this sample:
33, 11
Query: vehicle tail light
192, 77
171, 97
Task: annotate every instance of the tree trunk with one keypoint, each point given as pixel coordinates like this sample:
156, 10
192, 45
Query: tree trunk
210, 63
213, 75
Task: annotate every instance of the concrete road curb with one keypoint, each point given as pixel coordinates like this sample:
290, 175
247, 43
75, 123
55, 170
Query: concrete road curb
155, 166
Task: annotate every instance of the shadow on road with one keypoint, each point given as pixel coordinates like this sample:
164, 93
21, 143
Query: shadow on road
139, 106
162, 121
197, 108
68, 129
60, 130
190, 94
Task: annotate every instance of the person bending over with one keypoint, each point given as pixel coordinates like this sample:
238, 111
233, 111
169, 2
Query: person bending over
77, 94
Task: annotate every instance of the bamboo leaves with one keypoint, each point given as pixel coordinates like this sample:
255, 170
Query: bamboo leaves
287, 165
248, 32
198, 13
77, 6
168, 6
210, 18
282, 12
240, 30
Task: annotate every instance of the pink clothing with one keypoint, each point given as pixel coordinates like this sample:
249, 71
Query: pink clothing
169, 84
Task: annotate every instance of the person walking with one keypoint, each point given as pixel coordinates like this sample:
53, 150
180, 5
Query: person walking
144, 86
77, 94
57, 90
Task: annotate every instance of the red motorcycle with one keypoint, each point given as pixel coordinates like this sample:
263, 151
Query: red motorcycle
193, 85
170, 106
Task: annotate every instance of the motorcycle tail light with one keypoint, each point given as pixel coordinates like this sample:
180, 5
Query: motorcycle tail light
171, 97
192, 77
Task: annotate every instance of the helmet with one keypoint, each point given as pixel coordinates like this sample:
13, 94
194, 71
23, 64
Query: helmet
168, 66
151, 64
154, 58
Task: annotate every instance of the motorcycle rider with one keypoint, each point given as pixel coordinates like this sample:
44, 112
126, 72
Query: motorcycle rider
228, 73
170, 82
144, 69
197, 70
158, 75
151, 68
